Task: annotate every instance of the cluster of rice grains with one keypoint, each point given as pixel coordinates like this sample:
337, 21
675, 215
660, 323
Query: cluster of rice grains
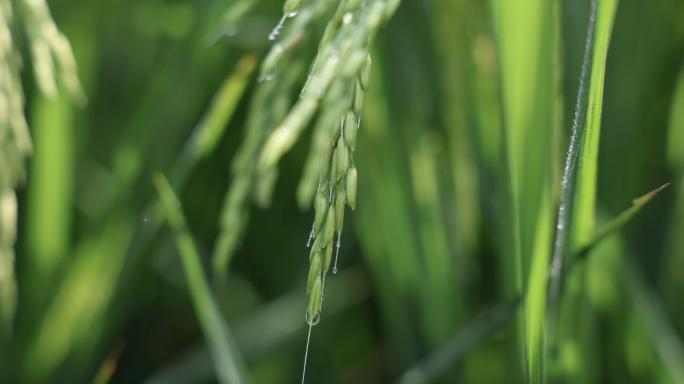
335, 87
51, 53
337, 187
336, 84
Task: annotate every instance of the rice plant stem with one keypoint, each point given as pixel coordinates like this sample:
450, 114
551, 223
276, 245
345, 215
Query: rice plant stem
567, 186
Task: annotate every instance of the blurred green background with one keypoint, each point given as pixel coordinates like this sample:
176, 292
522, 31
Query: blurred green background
428, 289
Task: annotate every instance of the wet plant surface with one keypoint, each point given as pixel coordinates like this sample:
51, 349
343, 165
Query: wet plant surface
175, 178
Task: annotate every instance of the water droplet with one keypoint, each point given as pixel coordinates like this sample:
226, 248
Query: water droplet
337, 253
267, 76
276, 30
293, 13
313, 321
347, 18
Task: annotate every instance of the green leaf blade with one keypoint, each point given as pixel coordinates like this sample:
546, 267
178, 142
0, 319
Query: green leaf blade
578, 189
587, 166
226, 359
528, 37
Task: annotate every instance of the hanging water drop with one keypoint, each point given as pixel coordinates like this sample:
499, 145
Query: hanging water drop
337, 253
276, 30
290, 9
267, 76
313, 321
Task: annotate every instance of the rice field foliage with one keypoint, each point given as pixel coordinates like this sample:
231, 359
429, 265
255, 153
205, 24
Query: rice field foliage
175, 178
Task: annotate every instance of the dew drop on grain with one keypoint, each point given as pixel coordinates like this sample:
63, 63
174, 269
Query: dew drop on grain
313, 321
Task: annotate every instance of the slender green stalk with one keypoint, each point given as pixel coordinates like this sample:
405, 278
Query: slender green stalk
216, 332
528, 53
578, 188
454, 349
578, 199
201, 143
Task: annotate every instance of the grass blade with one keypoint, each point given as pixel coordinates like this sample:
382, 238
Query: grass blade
269, 105
453, 350
618, 221
648, 307
584, 206
258, 335
213, 124
578, 187
209, 130
53, 174
567, 186
218, 337
529, 59
215, 121
76, 306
